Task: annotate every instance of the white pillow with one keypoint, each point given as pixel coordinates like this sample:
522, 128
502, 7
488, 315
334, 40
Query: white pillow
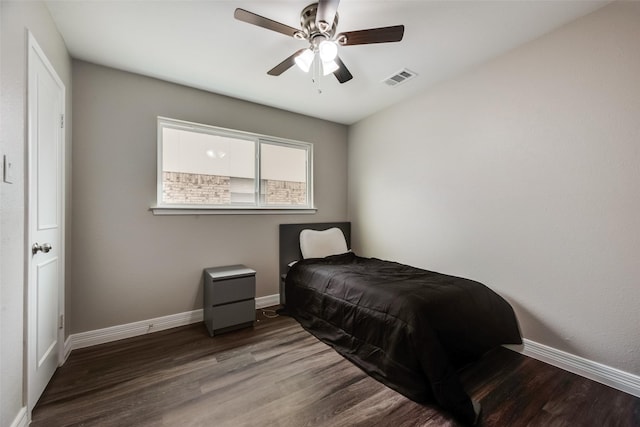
319, 244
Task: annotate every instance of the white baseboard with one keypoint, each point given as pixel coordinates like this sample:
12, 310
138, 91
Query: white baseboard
67, 349
114, 333
22, 419
620, 380
268, 301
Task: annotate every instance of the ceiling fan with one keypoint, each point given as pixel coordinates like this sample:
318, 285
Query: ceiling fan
318, 23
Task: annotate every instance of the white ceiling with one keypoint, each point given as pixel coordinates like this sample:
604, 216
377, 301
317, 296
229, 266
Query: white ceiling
200, 44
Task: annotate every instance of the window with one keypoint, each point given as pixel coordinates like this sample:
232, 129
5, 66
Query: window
205, 167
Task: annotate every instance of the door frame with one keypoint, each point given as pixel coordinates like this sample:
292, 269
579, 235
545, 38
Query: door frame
34, 47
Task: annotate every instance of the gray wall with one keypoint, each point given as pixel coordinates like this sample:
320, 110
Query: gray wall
17, 17
522, 174
129, 265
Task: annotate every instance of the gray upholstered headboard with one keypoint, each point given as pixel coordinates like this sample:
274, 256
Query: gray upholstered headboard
290, 240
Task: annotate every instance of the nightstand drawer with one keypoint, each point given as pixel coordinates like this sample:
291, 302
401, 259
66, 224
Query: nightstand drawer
235, 314
230, 290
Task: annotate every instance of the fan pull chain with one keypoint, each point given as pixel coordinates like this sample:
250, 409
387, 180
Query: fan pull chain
316, 74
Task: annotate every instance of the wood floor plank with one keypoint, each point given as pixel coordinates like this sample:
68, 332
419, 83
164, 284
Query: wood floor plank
277, 374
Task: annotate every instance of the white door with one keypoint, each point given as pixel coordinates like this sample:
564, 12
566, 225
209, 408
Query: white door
45, 293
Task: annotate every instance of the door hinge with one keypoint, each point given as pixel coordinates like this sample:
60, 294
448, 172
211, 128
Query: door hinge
61, 324
61, 121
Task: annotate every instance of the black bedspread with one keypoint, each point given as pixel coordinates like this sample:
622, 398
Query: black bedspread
408, 328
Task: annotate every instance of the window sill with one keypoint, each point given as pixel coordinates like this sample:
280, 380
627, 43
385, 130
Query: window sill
164, 210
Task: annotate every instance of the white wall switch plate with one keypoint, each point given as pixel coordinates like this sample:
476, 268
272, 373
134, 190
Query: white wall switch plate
8, 173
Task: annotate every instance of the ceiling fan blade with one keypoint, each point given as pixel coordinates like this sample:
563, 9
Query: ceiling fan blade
327, 10
261, 21
372, 35
342, 73
284, 65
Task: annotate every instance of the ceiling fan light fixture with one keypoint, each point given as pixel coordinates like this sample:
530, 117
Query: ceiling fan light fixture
328, 50
304, 60
318, 26
329, 67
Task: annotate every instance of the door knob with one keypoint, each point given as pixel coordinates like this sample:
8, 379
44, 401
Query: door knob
45, 247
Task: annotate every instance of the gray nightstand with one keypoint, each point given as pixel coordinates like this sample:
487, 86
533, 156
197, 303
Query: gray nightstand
229, 298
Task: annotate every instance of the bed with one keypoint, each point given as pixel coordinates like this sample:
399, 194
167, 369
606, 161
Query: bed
409, 328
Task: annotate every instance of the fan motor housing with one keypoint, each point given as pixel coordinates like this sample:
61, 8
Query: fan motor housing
308, 23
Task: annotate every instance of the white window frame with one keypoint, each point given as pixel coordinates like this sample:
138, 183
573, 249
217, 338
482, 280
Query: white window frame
161, 208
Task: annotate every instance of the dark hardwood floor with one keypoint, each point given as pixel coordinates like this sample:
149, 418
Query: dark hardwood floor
277, 374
